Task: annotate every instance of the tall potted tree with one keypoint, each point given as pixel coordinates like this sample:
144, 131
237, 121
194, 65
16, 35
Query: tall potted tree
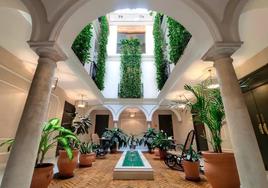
116, 136
220, 167
51, 134
148, 138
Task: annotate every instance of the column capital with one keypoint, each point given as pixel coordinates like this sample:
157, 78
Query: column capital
221, 50
48, 49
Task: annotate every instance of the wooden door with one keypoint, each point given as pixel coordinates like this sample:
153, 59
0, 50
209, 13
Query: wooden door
101, 124
257, 103
165, 124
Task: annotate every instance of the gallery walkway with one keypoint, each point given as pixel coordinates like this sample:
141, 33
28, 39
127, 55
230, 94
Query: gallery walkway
100, 176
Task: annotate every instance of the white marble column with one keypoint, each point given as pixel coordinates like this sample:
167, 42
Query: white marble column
245, 147
21, 162
115, 124
149, 124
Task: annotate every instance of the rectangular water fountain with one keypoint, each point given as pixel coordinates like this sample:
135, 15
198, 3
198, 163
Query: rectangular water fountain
132, 165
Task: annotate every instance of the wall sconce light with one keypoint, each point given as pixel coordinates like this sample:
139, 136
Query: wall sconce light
55, 83
81, 103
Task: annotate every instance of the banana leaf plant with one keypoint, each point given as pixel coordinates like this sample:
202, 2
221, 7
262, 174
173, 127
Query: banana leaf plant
209, 109
52, 133
116, 136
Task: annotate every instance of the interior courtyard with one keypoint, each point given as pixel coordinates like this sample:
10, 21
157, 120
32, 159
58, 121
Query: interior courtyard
133, 94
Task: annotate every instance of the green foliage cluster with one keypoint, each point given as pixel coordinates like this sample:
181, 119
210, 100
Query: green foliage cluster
116, 136
210, 111
130, 83
161, 76
178, 39
52, 134
162, 141
81, 44
102, 52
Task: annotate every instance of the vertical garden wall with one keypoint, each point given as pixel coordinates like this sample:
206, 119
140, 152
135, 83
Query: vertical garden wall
102, 52
130, 83
82, 44
178, 39
161, 76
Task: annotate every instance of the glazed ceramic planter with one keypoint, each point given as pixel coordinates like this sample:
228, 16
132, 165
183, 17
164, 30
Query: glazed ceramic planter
191, 170
220, 170
42, 175
65, 165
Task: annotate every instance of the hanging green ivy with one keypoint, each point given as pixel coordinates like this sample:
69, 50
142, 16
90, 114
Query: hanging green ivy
102, 52
178, 39
161, 76
130, 83
82, 45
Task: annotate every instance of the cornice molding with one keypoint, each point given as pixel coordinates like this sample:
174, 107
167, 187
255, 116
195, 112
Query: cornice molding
221, 50
48, 49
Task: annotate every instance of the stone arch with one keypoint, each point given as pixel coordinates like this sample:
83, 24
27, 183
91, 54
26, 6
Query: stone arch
177, 114
101, 107
74, 19
131, 106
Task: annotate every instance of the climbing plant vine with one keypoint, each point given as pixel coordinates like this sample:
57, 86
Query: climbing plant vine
161, 76
82, 44
102, 52
178, 39
130, 83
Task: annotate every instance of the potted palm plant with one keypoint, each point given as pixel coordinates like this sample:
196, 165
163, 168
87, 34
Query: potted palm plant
116, 137
163, 143
65, 165
220, 167
191, 164
132, 141
148, 138
51, 134
86, 154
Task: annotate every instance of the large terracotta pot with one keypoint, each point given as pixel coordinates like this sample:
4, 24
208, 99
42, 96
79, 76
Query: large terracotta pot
150, 149
156, 152
220, 170
42, 175
163, 154
94, 157
113, 149
191, 170
85, 160
65, 165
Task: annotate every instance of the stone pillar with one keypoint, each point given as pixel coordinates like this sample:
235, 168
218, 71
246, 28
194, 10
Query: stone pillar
149, 124
245, 147
115, 124
21, 162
